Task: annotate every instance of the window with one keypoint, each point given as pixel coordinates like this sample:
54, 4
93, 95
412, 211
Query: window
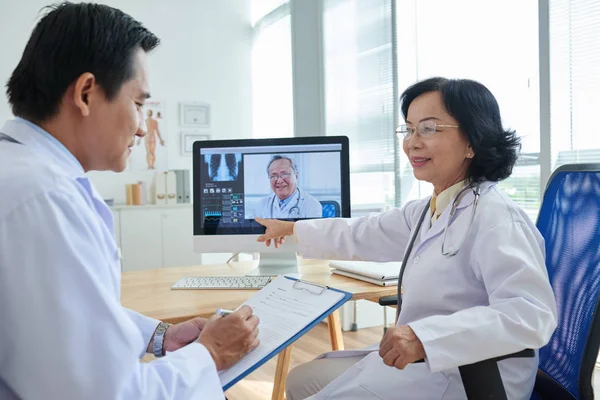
359, 100
260, 8
374, 49
575, 81
438, 38
272, 97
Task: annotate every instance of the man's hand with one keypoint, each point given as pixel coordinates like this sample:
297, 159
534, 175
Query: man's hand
400, 347
276, 231
181, 334
184, 333
230, 338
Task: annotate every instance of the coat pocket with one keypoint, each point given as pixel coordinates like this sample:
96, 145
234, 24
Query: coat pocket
415, 382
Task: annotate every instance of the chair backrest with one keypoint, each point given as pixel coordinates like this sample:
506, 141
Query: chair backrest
569, 220
331, 209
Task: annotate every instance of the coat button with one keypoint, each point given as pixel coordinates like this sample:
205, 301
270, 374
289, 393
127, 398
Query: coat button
416, 259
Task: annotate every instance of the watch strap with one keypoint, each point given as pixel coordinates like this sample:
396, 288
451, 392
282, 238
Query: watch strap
159, 337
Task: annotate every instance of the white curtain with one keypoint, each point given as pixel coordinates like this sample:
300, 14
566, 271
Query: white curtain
575, 81
272, 96
359, 101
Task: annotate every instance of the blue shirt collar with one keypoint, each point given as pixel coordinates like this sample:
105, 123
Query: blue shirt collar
283, 203
31, 135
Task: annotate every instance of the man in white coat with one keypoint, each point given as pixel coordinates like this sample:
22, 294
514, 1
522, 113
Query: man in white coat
475, 282
78, 93
287, 200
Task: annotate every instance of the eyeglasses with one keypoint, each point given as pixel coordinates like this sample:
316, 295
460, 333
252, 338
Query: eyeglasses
283, 175
425, 129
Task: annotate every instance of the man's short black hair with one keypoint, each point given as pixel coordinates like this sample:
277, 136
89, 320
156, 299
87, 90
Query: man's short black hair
70, 40
478, 115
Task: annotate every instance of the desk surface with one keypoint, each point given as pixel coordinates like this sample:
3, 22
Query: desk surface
149, 292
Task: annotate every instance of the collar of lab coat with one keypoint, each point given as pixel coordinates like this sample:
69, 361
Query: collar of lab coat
429, 231
56, 154
44, 145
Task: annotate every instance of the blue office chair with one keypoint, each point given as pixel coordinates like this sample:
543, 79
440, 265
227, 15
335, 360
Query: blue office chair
569, 220
331, 209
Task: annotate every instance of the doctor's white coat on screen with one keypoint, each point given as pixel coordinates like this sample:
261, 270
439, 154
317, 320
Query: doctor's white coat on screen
492, 298
301, 205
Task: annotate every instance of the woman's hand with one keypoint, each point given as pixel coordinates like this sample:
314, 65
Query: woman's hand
400, 347
276, 231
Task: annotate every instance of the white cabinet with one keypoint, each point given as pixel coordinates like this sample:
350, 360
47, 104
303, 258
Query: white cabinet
141, 238
156, 236
178, 234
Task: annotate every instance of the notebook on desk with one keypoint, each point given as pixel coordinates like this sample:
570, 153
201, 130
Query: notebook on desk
370, 269
380, 282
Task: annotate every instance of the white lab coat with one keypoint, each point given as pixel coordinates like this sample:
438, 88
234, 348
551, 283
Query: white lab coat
308, 207
64, 333
492, 298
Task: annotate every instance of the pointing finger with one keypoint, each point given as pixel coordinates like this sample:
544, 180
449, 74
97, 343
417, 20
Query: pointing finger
261, 221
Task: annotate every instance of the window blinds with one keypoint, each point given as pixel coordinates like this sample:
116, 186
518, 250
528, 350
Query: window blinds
574, 81
359, 99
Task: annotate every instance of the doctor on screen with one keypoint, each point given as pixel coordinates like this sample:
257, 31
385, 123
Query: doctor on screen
287, 200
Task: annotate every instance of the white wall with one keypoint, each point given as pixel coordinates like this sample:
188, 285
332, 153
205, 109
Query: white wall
205, 55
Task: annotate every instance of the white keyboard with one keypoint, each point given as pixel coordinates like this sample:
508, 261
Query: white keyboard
222, 282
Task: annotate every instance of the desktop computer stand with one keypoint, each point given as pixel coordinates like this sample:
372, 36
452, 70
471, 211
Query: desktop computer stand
276, 263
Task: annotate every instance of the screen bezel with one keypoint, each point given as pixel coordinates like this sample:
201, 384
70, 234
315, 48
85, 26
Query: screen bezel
257, 228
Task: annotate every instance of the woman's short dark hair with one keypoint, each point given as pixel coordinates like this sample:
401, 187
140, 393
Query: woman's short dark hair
478, 115
70, 40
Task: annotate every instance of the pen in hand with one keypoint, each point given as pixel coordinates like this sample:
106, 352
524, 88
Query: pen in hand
230, 338
223, 312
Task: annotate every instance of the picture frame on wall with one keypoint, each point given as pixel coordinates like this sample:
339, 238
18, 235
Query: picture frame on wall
194, 114
188, 138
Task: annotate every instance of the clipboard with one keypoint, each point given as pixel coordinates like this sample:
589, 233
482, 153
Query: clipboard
316, 290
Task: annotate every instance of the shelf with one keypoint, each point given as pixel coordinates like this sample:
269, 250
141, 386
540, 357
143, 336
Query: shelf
149, 206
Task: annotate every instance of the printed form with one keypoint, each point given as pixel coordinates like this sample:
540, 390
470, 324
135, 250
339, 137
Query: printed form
284, 307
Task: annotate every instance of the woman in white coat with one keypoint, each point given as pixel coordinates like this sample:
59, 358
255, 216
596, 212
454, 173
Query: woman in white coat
475, 284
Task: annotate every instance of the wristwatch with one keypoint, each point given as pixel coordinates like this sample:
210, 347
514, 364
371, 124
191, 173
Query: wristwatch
159, 336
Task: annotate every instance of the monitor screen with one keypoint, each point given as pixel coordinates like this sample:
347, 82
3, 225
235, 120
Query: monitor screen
292, 179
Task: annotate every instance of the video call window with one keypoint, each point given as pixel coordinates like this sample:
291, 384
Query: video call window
292, 182
291, 185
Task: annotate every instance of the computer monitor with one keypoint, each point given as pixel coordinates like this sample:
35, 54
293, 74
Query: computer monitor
292, 179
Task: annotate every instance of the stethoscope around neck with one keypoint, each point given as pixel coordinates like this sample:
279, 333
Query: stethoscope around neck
294, 211
475, 187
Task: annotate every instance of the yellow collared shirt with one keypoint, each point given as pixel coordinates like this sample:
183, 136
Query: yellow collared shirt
439, 203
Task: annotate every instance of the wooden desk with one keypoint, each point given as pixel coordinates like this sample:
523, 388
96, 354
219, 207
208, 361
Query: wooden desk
149, 293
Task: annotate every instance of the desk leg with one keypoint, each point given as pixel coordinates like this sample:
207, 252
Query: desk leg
335, 331
281, 372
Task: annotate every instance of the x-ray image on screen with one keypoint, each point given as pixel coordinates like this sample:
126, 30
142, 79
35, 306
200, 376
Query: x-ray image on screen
223, 167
